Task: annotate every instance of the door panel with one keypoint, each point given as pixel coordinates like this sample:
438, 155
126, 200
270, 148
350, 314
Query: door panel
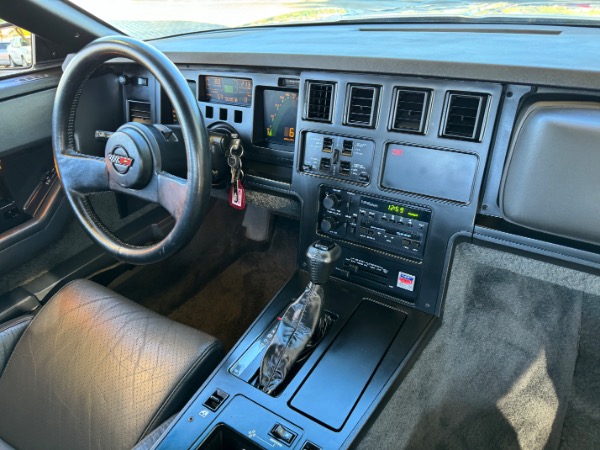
32, 208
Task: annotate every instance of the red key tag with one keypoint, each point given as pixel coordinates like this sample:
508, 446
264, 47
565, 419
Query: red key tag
237, 195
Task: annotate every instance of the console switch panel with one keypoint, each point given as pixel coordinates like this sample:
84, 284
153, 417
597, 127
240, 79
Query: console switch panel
342, 157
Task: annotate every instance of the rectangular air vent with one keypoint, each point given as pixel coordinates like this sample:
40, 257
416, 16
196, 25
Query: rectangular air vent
139, 111
319, 103
361, 106
410, 110
465, 115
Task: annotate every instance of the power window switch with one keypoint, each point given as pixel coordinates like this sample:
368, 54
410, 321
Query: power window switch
216, 399
282, 434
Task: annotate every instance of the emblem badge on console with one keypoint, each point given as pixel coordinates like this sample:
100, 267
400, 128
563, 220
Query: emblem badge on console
120, 160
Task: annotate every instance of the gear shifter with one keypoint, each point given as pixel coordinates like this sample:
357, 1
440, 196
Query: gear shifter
300, 320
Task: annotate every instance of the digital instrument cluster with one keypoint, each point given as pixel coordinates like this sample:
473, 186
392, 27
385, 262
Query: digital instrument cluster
225, 90
280, 110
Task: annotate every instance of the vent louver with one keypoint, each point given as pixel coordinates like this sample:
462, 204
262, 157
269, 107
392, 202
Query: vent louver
140, 112
465, 115
320, 101
362, 104
410, 113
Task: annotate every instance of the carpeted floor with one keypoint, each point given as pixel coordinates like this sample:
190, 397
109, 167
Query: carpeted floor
499, 373
229, 304
221, 280
581, 429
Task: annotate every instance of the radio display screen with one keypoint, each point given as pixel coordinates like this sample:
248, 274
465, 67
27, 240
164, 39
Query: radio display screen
225, 90
280, 113
395, 209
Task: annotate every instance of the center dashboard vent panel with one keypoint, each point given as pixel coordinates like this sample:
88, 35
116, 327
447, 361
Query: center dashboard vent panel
410, 111
319, 104
464, 116
361, 106
139, 111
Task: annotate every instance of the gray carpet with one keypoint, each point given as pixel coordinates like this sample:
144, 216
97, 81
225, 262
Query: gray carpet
499, 371
582, 425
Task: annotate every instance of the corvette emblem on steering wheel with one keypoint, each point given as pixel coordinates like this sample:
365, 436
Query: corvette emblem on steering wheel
120, 160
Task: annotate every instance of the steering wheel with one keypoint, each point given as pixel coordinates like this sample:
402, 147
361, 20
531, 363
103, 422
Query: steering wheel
137, 157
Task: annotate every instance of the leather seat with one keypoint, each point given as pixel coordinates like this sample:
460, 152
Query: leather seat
95, 370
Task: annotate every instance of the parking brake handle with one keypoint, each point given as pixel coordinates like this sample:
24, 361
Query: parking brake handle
300, 320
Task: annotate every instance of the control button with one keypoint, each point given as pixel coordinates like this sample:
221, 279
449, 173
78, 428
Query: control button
331, 200
327, 145
329, 223
310, 446
362, 212
325, 165
215, 401
347, 148
283, 434
405, 242
364, 177
324, 245
372, 215
421, 226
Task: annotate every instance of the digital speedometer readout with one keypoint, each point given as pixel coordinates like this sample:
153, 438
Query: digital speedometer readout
230, 91
281, 111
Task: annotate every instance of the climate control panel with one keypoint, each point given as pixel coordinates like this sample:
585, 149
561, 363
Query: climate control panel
343, 157
374, 222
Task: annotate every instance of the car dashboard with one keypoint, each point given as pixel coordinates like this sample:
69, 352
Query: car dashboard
396, 142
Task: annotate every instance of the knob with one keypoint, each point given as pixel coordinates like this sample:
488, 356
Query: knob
331, 200
329, 223
321, 257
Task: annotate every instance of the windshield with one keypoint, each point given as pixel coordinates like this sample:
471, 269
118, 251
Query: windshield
148, 19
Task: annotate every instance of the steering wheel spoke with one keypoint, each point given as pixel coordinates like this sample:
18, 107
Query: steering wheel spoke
81, 173
172, 193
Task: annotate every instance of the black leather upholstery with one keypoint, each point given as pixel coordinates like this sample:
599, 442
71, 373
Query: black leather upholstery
10, 333
95, 370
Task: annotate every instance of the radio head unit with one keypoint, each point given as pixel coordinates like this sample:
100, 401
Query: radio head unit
388, 225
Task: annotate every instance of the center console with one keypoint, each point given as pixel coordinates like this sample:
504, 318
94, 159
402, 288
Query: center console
390, 170
327, 396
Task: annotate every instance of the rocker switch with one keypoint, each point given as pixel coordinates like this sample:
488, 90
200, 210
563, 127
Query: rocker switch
215, 401
283, 434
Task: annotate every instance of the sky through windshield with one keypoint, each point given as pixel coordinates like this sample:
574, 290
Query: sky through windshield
147, 19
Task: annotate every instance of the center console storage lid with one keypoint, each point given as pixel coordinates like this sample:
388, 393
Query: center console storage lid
335, 385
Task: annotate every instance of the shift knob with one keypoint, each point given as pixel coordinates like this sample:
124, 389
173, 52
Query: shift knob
321, 257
